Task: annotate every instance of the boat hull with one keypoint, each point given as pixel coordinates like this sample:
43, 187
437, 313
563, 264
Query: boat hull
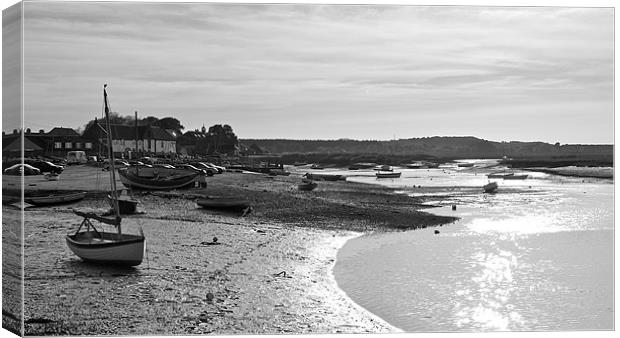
223, 203
388, 175
168, 183
515, 177
124, 249
323, 177
490, 188
54, 199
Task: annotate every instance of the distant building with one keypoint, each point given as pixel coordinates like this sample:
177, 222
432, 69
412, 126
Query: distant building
193, 143
151, 140
57, 142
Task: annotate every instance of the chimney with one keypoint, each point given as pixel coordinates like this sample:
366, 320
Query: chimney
41, 131
27, 130
14, 131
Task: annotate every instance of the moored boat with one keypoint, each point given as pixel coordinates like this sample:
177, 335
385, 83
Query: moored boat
45, 198
115, 248
465, 165
388, 174
499, 175
383, 167
223, 203
490, 187
131, 180
516, 177
323, 177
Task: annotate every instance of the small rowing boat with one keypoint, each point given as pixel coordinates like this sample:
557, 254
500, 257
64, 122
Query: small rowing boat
223, 203
45, 198
388, 174
130, 180
515, 177
323, 177
490, 187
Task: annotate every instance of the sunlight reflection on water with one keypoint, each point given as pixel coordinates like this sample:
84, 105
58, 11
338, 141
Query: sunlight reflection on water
526, 258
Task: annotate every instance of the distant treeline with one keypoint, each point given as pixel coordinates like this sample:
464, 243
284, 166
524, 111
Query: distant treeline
428, 148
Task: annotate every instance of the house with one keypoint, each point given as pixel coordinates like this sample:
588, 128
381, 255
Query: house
129, 140
56, 142
193, 143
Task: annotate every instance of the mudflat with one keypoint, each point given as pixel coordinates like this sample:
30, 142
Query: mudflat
269, 271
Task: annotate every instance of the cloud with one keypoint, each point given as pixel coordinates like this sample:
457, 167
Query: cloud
212, 63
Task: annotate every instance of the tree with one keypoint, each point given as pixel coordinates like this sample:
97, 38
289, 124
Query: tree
222, 139
170, 123
149, 120
115, 118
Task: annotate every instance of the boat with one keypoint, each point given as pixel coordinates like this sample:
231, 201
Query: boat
323, 177
422, 165
126, 205
51, 176
384, 167
307, 186
299, 164
465, 165
223, 203
499, 175
515, 177
316, 167
131, 180
46, 198
109, 248
417, 165
490, 187
388, 174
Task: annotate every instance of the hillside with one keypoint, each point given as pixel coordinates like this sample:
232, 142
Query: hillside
428, 148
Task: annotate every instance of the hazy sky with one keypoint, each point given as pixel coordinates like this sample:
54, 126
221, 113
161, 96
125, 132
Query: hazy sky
326, 72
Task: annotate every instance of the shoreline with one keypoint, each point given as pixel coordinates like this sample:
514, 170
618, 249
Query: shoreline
343, 293
296, 232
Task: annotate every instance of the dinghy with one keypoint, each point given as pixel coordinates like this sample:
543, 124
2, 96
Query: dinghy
45, 198
131, 180
223, 203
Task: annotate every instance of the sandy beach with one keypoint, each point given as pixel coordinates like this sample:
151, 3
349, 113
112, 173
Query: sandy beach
270, 273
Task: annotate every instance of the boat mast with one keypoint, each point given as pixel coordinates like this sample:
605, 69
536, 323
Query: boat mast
111, 157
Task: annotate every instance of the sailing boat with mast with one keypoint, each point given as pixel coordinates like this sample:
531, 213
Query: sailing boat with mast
106, 247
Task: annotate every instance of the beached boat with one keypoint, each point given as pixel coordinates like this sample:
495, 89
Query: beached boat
316, 167
51, 176
323, 177
130, 180
115, 248
384, 167
45, 198
465, 165
416, 165
499, 175
490, 187
515, 177
223, 203
307, 186
388, 174
160, 171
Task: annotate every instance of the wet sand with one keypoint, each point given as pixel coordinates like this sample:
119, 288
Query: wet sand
271, 272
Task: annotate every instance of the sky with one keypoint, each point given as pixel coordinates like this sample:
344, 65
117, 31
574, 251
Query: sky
326, 71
